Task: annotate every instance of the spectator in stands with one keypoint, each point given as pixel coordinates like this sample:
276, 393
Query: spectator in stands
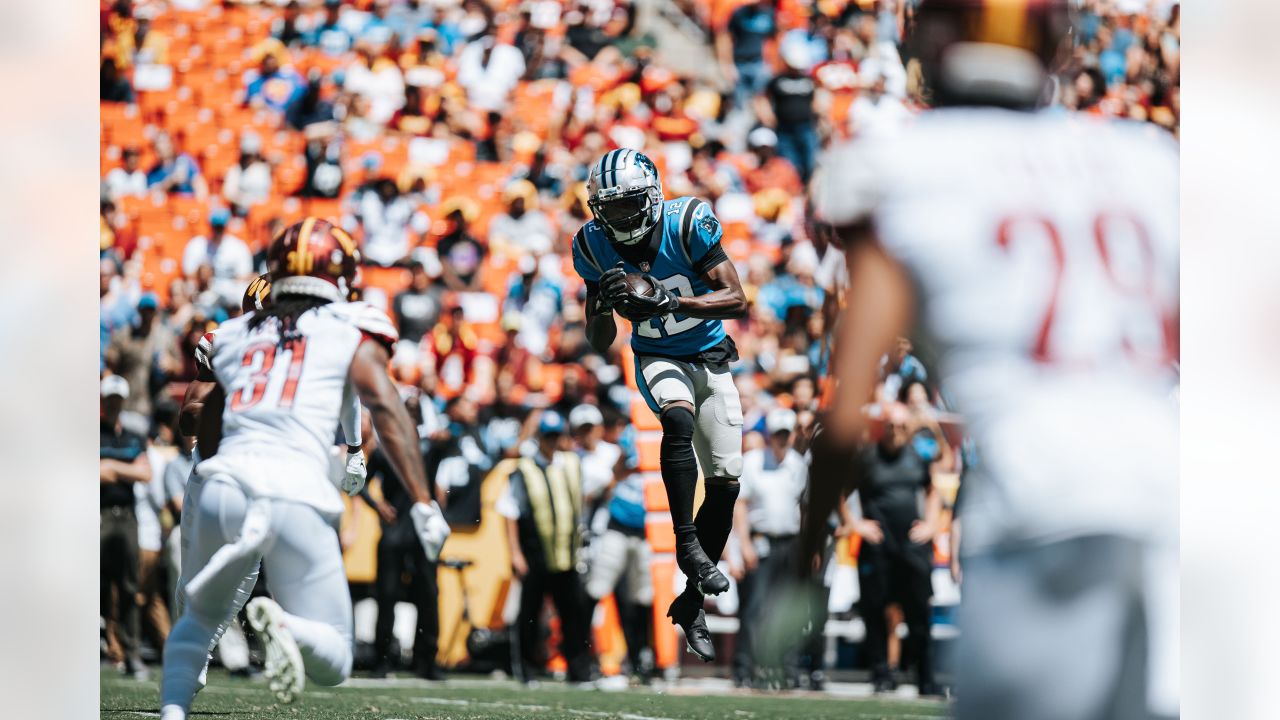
144, 354
248, 182
489, 70
898, 368
927, 438
174, 172
503, 421
452, 347
584, 33
112, 86
149, 503
400, 553
787, 106
741, 49
544, 546
523, 228
328, 33
875, 112
310, 108
288, 28
122, 462
766, 522
417, 308
376, 79
620, 551
771, 170
227, 255
896, 558
538, 301
461, 254
324, 169
129, 180
387, 218
115, 309
377, 32
273, 84
458, 458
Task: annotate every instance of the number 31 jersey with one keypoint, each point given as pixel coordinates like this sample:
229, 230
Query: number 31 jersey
284, 401
1044, 251
688, 245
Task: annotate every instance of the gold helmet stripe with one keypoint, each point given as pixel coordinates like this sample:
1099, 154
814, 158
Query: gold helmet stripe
1004, 22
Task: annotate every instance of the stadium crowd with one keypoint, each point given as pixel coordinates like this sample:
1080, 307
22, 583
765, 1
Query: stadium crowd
452, 138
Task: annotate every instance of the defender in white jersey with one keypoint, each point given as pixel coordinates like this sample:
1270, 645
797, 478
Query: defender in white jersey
282, 374
1039, 253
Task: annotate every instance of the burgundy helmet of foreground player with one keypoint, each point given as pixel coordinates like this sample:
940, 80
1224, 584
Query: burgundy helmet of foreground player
313, 257
990, 52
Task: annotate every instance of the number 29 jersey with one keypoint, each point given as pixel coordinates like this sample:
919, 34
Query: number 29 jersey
1044, 252
687, 246
284, 400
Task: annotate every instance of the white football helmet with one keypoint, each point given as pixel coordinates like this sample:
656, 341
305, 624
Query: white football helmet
624, 193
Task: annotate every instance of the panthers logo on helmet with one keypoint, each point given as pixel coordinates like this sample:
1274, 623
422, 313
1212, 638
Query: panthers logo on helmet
624, 194
313, 257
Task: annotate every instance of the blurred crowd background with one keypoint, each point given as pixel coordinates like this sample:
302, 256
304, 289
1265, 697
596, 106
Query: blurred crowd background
453, 138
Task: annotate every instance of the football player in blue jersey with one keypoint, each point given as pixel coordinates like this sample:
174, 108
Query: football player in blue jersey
682, 353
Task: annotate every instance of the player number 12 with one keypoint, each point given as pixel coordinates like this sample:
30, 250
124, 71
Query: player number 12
678, 284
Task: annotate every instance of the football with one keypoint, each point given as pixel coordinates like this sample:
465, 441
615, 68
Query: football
639, 284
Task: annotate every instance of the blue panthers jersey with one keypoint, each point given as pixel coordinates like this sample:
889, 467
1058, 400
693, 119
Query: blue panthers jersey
688, 246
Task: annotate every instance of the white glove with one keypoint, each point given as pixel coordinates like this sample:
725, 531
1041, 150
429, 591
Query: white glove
431, 527
354, 477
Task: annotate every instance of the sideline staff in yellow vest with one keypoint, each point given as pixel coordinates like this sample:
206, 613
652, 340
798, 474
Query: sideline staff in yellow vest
543, 508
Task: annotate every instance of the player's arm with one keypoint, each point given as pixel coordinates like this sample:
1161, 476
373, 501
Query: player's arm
878, 308
726, 299
602, 329
398, 437
118, 471
193, 402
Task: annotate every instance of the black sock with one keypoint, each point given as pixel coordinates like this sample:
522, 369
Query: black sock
679, 470
715, 520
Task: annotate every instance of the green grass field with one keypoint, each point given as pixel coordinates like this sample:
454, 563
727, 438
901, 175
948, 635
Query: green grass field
468, 697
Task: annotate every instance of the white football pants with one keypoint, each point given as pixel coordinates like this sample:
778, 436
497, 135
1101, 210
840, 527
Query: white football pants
234, 651
304, 574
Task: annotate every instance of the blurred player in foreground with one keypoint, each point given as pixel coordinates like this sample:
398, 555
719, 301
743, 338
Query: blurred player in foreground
1042, 251
672, 249
282, 373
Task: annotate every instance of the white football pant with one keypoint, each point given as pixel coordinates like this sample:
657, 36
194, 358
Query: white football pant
305, 575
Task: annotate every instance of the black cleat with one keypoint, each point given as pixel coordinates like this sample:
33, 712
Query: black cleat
696, 566
686, 611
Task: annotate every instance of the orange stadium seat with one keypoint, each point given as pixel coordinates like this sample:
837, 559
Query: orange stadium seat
649, 448
642, 417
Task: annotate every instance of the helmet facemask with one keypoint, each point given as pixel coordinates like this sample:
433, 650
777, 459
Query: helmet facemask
628, 215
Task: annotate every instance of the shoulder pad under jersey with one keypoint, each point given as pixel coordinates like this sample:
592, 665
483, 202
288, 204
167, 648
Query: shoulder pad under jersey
371, 321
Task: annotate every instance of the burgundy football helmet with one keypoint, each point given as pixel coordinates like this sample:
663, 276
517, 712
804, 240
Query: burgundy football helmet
255, 296
313, 257
990, 52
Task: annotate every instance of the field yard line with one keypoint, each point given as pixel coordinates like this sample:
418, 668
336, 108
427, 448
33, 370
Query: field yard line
533, 708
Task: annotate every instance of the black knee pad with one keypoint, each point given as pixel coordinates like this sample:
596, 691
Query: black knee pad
677, 424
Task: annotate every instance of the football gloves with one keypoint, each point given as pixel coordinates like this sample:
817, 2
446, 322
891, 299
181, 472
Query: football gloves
431, 527
354, 477
642, 307
613, 288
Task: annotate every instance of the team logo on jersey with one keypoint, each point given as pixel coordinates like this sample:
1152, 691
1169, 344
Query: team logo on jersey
709, 224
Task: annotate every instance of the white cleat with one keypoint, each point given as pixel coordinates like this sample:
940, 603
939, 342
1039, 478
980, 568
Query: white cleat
172, 712
285, 674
